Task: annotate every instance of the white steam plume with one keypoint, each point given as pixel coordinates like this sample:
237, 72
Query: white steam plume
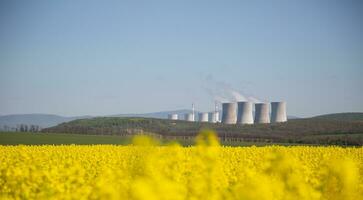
222, 92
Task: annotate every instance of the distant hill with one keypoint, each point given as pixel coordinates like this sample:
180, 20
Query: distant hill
48, 120
353, 116
42, 120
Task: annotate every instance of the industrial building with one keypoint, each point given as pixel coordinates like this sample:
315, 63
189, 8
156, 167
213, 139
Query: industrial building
262, 113
213, 117
203, 117
278, 112
173, 116
245, 113
229, 113
189, 117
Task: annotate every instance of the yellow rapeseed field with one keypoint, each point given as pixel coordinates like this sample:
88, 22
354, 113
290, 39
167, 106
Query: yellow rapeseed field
205, 171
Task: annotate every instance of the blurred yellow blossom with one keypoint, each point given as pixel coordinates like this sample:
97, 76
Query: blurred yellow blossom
205, 171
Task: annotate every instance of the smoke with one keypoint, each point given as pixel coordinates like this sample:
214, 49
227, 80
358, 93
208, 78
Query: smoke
223, 92
256, 100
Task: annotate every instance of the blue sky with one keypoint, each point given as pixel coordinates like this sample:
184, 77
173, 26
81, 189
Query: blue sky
110, 57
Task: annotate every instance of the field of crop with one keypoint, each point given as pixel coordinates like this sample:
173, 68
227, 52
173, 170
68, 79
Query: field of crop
16, 138
205, 171
25, 138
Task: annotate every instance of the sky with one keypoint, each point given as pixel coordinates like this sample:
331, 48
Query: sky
110, 57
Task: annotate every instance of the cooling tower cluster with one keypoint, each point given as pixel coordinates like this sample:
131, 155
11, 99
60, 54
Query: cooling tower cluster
212, 117
242, 113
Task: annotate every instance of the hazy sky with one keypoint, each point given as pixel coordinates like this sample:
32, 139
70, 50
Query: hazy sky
110, 57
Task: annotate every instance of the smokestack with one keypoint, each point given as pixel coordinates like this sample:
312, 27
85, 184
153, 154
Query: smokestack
216, 117
173, 116
245, 115
189, 117
262, 113
278, 112
203, 117
193, 114
229, 113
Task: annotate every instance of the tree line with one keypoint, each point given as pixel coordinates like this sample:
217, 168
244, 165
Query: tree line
22, 128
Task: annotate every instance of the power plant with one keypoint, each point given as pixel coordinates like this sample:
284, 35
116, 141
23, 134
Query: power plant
229, 113
241, 113
245, 113
278, 112
262, 113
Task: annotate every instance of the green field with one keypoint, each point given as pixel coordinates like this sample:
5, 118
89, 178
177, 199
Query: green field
15, 138
19, 138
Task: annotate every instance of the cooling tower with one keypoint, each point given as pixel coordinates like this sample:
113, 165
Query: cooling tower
213, 117
189, 117
203, 117
173, 116
229, 113
262, 113
244, 114
278, 112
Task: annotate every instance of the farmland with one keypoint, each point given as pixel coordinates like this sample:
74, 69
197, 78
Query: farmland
21, 138
301, 131
144, 170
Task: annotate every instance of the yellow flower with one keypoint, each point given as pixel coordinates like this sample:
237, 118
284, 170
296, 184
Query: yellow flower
145, 170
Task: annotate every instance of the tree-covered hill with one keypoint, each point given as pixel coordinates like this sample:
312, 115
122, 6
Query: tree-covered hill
355, 116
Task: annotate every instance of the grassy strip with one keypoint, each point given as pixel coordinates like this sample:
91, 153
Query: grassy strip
18, 138
15, 138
